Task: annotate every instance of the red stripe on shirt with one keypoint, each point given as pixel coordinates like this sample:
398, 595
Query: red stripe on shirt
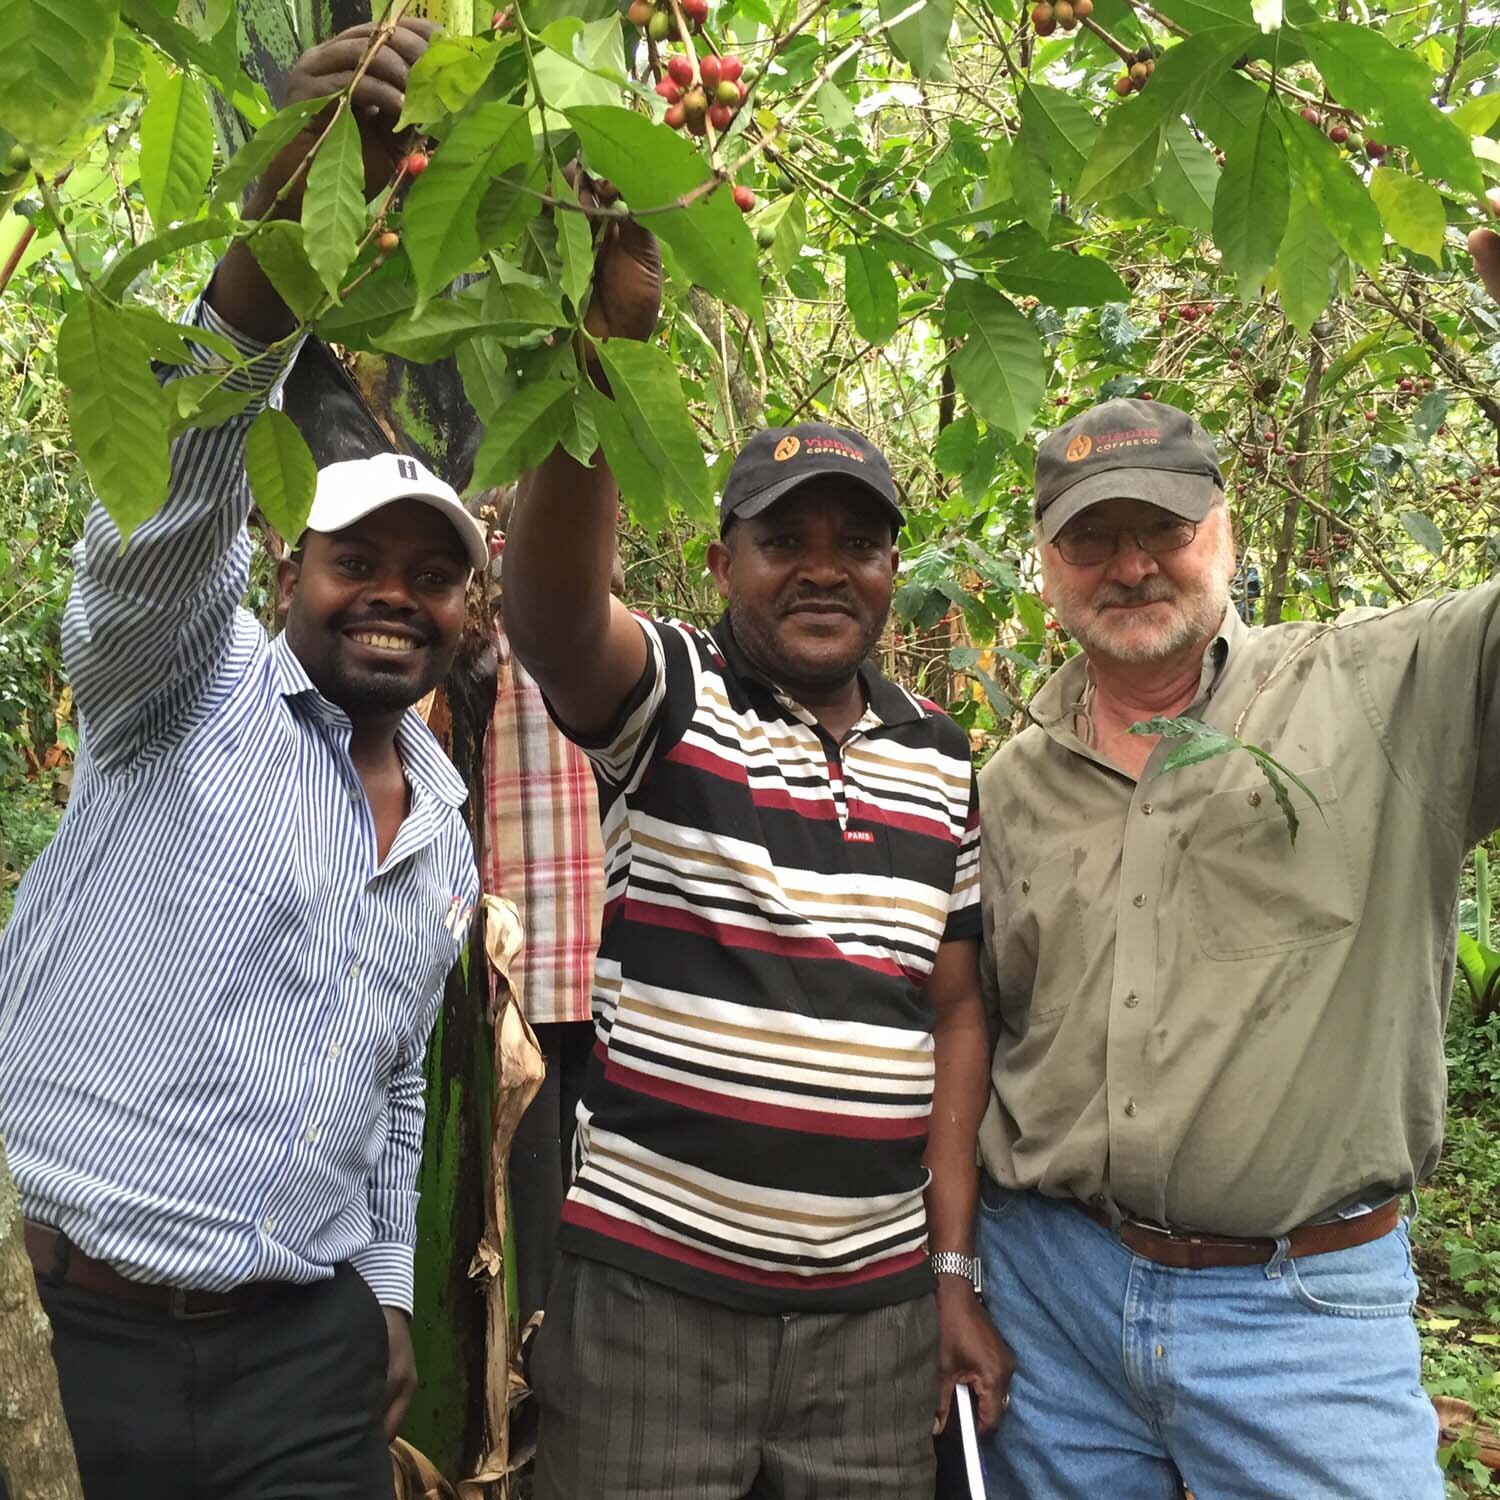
756, 1112
585, 1216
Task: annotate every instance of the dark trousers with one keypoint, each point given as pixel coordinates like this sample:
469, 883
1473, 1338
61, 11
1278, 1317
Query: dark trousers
541, 1153
648, 1394
280, 1401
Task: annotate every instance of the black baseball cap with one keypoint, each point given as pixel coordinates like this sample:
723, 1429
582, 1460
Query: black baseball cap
779, 459
1126, 450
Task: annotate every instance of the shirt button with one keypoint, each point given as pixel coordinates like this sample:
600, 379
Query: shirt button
267, 1225
354, 794
1147, 808
310, 1135
1254, 799
355, 968
1161, 1352
1130, 1107
1132, 1000
1025, 886
335, 1051
1138, 900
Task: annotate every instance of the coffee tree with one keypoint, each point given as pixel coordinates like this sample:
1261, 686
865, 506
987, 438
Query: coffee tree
974, 202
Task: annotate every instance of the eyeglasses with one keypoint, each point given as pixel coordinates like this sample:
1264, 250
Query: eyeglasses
1088, 546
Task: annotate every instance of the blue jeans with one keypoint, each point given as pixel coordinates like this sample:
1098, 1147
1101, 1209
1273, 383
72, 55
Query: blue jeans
1296, 1380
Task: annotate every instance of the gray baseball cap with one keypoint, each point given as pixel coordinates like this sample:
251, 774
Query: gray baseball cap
1126, 450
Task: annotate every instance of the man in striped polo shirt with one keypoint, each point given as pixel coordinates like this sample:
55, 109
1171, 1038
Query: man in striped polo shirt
791, 1045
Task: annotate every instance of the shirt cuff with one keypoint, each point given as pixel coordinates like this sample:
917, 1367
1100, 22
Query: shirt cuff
264, 372
387, 1268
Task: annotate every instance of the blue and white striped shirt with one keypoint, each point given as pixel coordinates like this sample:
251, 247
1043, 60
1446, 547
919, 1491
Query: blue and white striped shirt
214, 996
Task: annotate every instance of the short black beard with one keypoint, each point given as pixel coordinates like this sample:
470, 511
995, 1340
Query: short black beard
758, 644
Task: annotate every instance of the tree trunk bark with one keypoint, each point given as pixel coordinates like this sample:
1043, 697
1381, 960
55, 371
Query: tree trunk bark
1286, 543
36, 1448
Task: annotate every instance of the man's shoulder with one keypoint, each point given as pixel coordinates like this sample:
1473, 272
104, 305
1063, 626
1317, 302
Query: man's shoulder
1021, 749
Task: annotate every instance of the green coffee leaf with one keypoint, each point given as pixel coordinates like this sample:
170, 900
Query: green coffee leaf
282, 472
177, 145
252, 159
653, 167
446, 76
956, 445
641, 487
1187, 178
835, 108
1251, 206
203, 401
333, 208
440, 222
870, 290
920, 39
1423, 530
1061, 279
167, 340
122, 272
1197, 742
117, 413
56, 55
1412, 211
277, 245
575, 246
1001, 367
1030, 179
1340, 197
1306, 264
1125, 158
643, 381
1371, 74
524, 431
1067, 128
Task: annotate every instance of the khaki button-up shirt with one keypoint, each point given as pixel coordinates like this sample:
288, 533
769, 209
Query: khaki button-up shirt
1199, 1021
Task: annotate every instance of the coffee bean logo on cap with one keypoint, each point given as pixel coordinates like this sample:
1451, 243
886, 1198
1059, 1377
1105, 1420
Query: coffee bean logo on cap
787, 448
1079, 448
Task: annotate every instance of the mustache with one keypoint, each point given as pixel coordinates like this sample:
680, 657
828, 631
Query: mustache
838, 599
1154, 590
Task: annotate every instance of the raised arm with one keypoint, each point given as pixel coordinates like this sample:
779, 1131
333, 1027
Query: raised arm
579, 642
150, 627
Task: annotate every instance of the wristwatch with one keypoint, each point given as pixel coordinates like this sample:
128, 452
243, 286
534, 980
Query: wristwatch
954, 1264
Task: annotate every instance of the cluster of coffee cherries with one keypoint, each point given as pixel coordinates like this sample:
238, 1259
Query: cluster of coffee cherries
659, 22
1338, 132
1048, 16
711, 94
1137, 71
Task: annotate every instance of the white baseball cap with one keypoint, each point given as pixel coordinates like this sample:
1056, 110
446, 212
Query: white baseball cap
351, 489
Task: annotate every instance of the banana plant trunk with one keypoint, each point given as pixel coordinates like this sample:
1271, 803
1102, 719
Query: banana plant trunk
36, 1449
345, 410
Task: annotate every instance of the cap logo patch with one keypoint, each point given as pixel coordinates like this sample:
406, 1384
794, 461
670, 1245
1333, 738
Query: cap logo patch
1127, 437
787, 448
407, 470
1080, 448
835, 446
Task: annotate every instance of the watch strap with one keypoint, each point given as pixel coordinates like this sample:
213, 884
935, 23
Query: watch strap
952, 1263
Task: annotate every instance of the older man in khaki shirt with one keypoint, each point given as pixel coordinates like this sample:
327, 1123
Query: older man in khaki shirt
1220, 1060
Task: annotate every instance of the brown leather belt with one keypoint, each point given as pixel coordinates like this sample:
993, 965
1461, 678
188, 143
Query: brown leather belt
1194, 1252
57, 1260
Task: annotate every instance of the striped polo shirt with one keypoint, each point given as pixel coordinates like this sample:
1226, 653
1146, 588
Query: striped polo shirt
752, 1127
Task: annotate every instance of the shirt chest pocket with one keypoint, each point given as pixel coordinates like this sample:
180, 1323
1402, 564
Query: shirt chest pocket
1039, 961
1254, 890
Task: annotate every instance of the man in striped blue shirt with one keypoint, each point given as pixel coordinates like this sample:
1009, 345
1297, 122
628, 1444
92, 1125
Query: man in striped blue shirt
219, 981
